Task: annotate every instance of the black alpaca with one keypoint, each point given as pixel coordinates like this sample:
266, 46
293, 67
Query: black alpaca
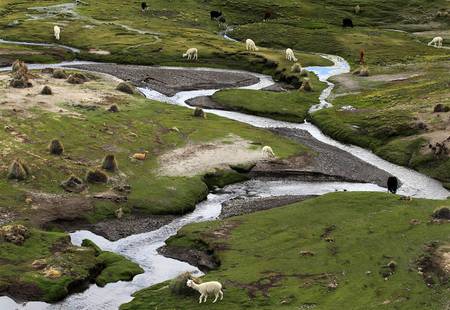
267, 15
392, 184
347, 22
144, 6
215, 14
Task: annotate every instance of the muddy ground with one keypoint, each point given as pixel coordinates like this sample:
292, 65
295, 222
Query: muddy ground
171, 81
241, 205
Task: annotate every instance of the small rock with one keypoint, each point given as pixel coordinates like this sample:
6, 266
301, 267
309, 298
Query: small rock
307, 253
332, 285
392, 265
414, 222
114, 109
52, 273
119, 213
39, 264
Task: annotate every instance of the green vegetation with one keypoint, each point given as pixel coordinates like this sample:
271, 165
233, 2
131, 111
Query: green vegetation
290, 106
396, 119
262, 266
222, 178
47, 267
117, 268
280, 259
158, 37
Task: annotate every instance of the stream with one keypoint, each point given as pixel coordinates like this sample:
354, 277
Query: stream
142, 248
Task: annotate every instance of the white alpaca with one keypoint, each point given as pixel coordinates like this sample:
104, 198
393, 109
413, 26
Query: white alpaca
268, 152
436, 42
250, 45
191, 53
290, 55
57, 32
357, 9
207, 288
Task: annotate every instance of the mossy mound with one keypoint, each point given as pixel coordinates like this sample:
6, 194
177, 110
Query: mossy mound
21, 82
18, 171
59, 74
442, 213
296, 68
96, 176
109, 163
77, 78
306, 85
46, 90
198, 112
56, 147
125, 88
73, 185
113, 109
440, 108
178, 285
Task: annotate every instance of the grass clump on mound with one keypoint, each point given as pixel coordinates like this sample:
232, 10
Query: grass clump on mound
46, 90
73, 185
306, 85
125, 87
178, 286
18, 171
96, 176
77, 78
117, 268
56, 147
442, 213
110, 163
198, 112
59, 74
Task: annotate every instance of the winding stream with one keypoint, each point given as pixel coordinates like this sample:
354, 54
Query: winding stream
141, 248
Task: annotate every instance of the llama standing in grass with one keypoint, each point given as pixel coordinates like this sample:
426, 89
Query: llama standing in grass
191, 53
207, 288
436, 42
290, 55
57, 32
250, 45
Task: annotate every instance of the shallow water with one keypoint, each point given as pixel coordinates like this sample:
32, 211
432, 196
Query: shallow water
72, 49
413, 183
141, 248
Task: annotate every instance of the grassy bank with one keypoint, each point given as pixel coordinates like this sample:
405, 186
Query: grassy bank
289, 106
365, 231
395, 119
47, 267
141, 125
